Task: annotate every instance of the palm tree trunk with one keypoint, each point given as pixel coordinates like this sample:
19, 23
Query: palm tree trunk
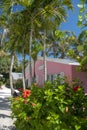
12, 62
30, 60
23, 69
34, 71
44, 58
10, 74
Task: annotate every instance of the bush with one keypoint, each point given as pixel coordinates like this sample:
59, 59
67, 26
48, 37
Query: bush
18, 84
53, 107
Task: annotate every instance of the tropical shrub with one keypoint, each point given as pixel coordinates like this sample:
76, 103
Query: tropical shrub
54, 107
18, 84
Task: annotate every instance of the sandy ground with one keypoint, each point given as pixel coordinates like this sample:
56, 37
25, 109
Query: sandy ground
6, 123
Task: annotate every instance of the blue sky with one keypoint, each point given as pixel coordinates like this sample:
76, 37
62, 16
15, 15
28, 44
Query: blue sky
71, 23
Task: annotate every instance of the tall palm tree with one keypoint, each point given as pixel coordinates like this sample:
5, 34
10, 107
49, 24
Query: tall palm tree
37, 13
20, 33
15, 31
34, 10
54, 13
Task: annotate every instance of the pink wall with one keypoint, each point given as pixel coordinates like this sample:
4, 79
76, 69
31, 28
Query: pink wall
81, 75
56, 68
52, 68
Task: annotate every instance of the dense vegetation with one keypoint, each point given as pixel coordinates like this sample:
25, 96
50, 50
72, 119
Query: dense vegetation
54, 107
29, 27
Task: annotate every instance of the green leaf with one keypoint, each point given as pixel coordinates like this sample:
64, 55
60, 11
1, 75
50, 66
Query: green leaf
79, 23
80, 48
82, 10
68, 4
57, 32
26, 2
61, 87
70, 52
77, 127
62, 108
80, 16
85, 16
83, 1
84, 61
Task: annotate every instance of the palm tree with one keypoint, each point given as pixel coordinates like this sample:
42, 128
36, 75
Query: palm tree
20, 33
60, 43
5, 32
53, 14
35, 14
34, 10
14, 30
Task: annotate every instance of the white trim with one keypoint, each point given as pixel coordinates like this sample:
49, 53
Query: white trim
63, 61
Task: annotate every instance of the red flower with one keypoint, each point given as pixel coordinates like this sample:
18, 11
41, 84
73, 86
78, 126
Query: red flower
75, 89
26, 93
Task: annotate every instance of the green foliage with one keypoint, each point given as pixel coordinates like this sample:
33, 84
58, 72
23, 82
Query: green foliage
53, 107
80, 48
26, 3
59, 34
79, 51
82, 18
68, 4
5, 66
18, 84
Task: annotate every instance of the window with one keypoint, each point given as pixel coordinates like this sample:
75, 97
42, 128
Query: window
55, 76
20, 75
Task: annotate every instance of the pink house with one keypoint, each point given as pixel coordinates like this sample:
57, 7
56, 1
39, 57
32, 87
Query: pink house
56, 67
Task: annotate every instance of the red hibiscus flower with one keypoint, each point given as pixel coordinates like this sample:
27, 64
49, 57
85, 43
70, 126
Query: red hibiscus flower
75, 89
26, 93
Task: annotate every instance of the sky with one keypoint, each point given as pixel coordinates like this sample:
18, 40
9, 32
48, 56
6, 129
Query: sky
71, 23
